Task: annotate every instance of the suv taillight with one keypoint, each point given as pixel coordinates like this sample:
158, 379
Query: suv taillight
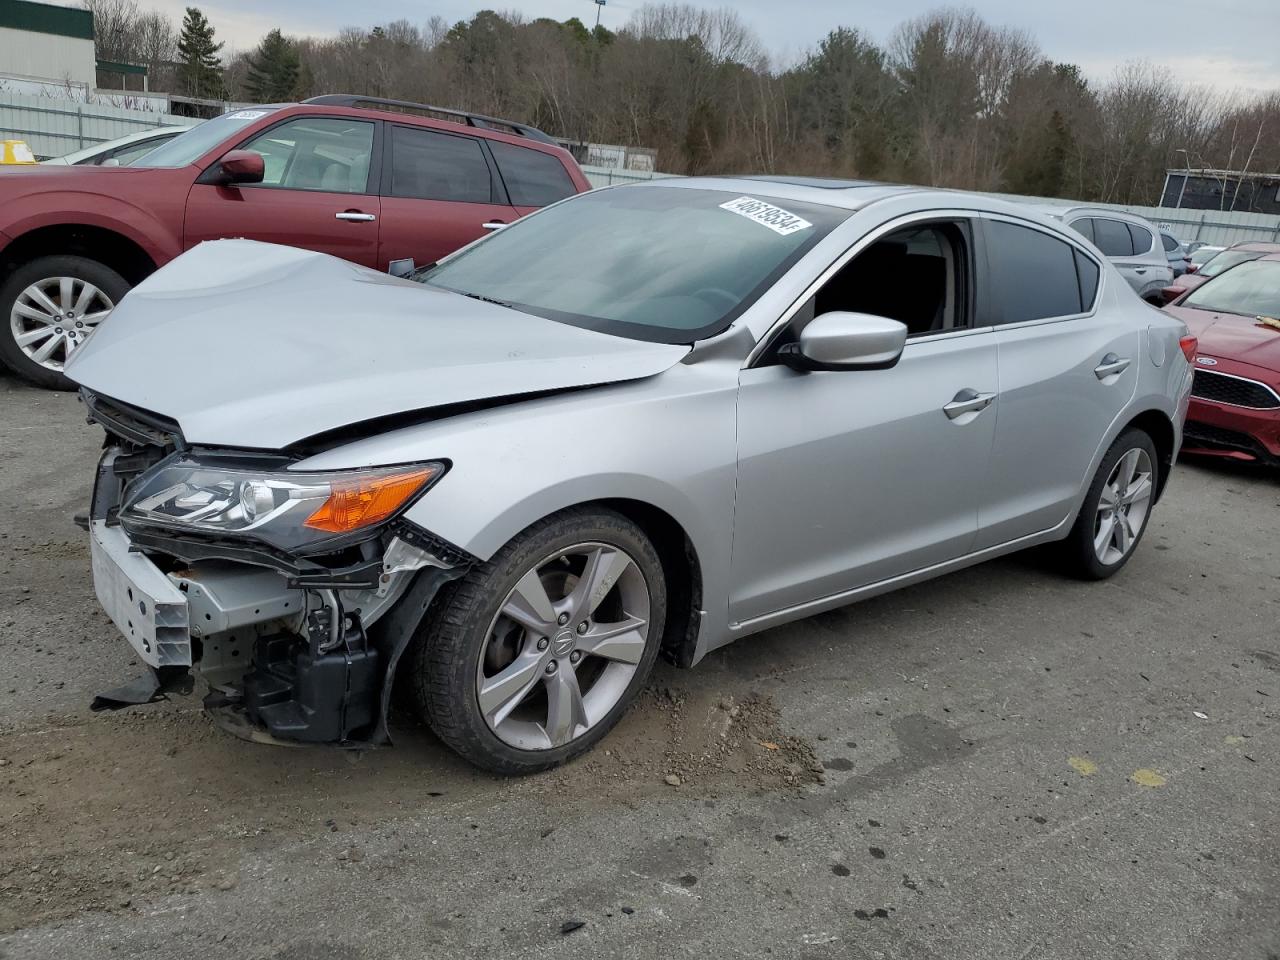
1189, 345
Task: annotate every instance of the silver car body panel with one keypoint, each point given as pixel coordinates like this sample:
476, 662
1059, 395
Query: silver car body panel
797, 492
250, 344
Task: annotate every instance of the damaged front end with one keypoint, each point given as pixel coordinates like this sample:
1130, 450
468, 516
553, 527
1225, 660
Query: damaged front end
293, 594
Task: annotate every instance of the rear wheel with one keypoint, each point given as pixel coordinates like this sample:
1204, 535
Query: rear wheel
49, 308
1116, 509
531, 658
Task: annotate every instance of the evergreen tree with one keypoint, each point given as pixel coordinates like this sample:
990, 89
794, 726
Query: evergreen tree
199, 69
273, 70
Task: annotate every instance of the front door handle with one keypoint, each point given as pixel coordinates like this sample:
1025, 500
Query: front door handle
1110, 365
493, 225
968, 401
355, 216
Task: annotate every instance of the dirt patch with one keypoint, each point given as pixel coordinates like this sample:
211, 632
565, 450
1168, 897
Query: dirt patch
689, 736
109, 811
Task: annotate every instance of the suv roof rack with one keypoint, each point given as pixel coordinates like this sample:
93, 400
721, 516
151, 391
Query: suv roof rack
408, 106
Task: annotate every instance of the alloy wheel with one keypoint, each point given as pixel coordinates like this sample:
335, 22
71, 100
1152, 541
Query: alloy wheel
52, 318
564, 646
1123, 507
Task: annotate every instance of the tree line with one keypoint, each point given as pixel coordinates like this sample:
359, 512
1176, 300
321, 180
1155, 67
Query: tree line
948, 100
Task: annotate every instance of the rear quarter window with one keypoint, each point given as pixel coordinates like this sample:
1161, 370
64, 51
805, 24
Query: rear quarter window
533, 178
1142, 239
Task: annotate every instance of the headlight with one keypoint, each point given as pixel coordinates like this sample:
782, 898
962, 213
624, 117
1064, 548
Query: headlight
282, 508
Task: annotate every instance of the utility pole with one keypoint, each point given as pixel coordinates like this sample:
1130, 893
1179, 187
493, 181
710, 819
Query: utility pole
599, 7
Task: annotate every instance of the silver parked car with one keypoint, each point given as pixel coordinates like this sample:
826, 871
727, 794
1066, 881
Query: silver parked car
649, 419
1128, 241
1175, 251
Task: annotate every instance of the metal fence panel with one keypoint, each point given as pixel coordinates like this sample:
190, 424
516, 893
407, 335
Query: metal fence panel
55, 127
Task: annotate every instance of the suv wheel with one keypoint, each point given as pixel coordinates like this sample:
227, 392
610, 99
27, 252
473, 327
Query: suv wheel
48, 309
532, 657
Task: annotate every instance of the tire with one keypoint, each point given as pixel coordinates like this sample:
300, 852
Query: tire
101, 288
1080, 553
467, 644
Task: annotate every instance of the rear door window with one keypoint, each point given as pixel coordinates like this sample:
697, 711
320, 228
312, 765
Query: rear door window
1113, 237
1032, 274
533, 178
426, 165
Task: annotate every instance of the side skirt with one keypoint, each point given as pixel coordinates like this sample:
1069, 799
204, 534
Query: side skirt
822, 604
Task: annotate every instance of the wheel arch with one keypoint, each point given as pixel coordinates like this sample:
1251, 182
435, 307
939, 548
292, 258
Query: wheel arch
681, 566
1159, 427
104, 245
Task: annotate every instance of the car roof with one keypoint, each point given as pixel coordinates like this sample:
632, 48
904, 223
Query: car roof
846, 194
1063, 210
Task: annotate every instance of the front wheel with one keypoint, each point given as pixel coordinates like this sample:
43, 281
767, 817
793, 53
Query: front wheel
48, 309
1116, 509
532, 657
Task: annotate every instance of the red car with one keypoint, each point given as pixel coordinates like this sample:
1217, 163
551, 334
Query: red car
378, 182
1219, 263
1235, 400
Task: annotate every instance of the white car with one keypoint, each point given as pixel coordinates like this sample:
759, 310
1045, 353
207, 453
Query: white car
122, 151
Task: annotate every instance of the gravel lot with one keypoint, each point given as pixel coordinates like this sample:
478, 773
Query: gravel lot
999, 764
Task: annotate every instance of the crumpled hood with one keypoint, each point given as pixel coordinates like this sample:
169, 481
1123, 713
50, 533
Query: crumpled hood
256, 345
1230, 336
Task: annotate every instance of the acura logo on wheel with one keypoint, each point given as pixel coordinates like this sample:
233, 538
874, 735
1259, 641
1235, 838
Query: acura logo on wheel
1207, 361
564, 643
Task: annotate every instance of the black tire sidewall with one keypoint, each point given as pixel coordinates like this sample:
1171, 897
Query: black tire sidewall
1081, 557
68, 265
453, 637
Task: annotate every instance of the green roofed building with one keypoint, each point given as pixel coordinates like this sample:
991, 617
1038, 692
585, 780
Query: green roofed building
47, 42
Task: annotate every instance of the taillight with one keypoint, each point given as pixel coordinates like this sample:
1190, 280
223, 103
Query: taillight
1189, 345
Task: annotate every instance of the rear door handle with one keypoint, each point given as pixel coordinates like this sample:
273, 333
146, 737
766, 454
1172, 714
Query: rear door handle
968, 401
1139, 269
1111, 364
355, 216
493, 225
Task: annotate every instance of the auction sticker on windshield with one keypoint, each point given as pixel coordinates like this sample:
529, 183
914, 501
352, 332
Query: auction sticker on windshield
780, 221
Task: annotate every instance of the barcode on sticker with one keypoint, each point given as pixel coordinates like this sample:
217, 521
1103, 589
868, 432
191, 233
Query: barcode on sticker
780, 221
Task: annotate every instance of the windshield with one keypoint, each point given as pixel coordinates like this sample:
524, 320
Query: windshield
1251, 289
668, 264
188, 147
1225, 261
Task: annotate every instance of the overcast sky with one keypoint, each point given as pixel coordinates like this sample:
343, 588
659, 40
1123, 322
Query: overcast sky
1228, 44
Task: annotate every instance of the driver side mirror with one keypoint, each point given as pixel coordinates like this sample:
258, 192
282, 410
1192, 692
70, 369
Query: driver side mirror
846, 341
241, 166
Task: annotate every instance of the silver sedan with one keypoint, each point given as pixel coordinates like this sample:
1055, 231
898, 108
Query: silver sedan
647, 420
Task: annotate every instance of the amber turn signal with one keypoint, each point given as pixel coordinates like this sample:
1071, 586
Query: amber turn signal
353, 504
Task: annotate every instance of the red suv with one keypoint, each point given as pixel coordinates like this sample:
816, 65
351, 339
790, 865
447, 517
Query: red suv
378, 182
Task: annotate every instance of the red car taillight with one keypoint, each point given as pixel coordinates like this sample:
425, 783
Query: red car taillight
1189, 345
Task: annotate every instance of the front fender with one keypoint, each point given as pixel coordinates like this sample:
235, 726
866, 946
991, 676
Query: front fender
667, 442
160, 240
